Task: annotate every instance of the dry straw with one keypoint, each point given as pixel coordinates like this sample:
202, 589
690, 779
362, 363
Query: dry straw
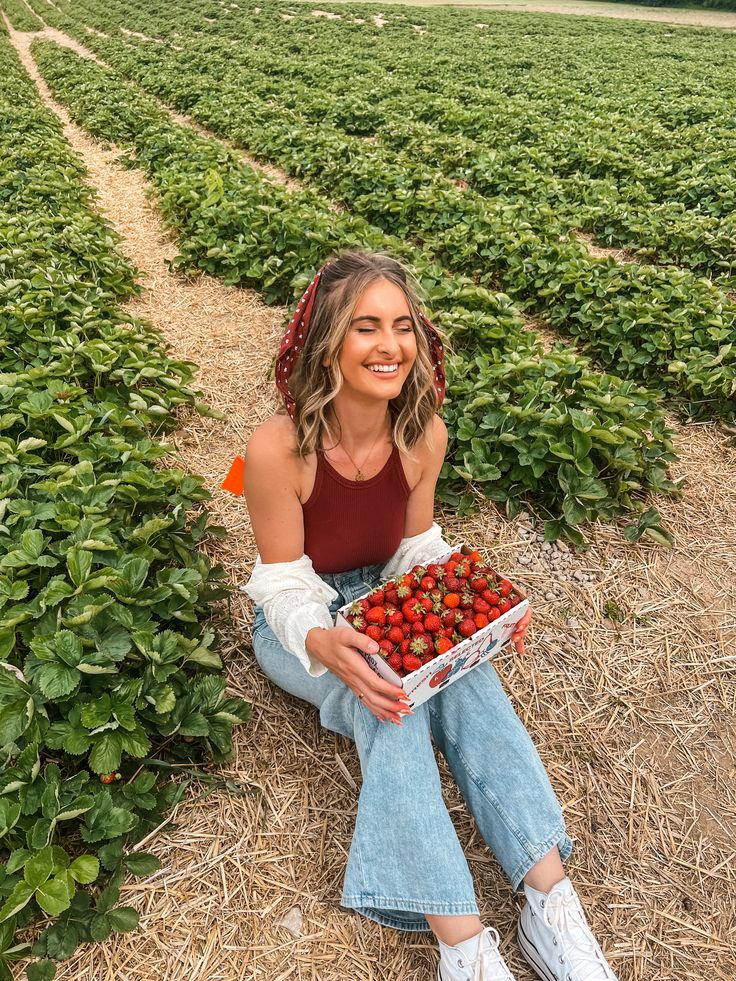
633, 717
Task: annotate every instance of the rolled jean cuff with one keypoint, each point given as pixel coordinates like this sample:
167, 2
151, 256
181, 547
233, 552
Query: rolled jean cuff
398, 912
535, 854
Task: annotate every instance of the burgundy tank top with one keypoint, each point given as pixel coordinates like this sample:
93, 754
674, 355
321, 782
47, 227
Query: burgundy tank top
352, 523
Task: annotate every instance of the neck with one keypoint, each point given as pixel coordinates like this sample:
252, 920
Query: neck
360, 427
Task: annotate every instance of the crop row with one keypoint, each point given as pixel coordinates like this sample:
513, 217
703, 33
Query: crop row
565, 92
104, 657
665, 327
20, 17
579, 444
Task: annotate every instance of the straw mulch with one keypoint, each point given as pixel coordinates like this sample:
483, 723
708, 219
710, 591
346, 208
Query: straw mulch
632, 712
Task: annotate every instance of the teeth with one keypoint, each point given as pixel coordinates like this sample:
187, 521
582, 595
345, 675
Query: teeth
385, 371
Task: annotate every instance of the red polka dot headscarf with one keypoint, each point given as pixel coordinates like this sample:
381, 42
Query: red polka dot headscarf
295, 336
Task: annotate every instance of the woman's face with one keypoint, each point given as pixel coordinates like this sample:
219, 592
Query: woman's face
381, 333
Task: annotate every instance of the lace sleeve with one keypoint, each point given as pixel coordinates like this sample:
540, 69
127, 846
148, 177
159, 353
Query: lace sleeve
415, 550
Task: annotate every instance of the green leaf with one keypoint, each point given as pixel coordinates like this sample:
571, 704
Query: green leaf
18, 898
39, 867
79, 563
44, 970
85, 869
107, 753
53, 896
124, 918
142, 863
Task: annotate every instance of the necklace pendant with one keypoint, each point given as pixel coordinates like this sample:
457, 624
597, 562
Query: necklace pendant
359, 476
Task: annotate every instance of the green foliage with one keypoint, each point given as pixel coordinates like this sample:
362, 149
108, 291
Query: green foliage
20, 17
103, 655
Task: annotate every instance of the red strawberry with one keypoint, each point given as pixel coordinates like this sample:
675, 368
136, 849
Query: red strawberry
474, 556
494, 613
358, 623
452, 600
515, 599
426, 658
438, 572
427, 583
504, 606
505, 588
374, 632
462, 570
359, 607
480, 605
411, 662
448, 618
432, 623
457, 557
442, 644
417, 628
412, 610
404, 645
467, 628
386, 647
420, 645
406, 628
447, 632
376, 598
395, 618
395, 635
478, 584
453, 584
481, 620
490, 597
427, 604
376, 614
395, 661
466, 601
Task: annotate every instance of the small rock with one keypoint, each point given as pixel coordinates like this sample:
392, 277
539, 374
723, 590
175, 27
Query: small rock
291, 921
550, 596
562, 546
579, 575
573, 623
524, 560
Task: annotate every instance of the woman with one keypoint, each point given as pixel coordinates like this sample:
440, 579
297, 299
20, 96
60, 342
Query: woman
340, 491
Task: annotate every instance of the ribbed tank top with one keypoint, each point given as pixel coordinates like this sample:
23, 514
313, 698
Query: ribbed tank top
352, 523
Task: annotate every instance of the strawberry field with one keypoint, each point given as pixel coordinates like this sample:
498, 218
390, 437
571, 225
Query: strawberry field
563, 189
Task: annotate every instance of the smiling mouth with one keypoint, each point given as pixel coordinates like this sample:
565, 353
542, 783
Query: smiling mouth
389, 374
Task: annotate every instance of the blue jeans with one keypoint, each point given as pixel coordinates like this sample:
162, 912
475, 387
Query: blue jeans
405, 858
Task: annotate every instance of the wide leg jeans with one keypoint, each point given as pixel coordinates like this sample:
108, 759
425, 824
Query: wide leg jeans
405, 858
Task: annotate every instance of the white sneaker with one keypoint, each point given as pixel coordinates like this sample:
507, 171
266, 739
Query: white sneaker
477, 959
555, 937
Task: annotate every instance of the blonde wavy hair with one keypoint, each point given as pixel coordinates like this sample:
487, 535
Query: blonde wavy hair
313, 385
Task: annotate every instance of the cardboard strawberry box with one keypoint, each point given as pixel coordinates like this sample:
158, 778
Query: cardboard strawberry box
444, 669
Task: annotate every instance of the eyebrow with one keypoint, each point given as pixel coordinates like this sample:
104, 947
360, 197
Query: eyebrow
377, 320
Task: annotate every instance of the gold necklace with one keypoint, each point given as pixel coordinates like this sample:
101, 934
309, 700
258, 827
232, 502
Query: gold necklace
359, 475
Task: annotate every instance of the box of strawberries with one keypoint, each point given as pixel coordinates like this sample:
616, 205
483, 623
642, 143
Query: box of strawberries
437, 621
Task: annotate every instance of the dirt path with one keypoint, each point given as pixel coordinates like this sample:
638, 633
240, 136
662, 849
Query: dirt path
631, 706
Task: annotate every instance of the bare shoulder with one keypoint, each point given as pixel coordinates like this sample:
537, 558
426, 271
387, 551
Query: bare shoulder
274, 438
436, 455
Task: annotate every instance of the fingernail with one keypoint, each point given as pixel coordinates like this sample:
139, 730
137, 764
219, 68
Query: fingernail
397, 723
405, 712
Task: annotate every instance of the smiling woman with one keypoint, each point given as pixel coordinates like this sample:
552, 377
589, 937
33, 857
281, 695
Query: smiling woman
361, 373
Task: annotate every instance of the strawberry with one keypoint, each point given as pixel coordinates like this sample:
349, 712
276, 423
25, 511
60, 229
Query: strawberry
411, 662
462, 570
494, 613
490, 597
442, 644
480, 605
474, 556
374, 632
358, 623
109, 777
394, 661
404, 646
466, 601
505, 588
481, 620
376, 598
395, 635
452, 600
427, 604
504, 606
385, 648
412, 610
432, 623
466, 628
478, 584
448, 618
420, 645
406, 628
427, 583
447, 632
515, 599
453, 584
359, 607
417, 629
402, 591
437, 572
457, 557
392, 597
426, 658
376, 614
394, 618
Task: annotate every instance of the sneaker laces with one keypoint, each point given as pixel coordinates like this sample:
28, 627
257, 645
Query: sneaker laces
564, 914
488, 956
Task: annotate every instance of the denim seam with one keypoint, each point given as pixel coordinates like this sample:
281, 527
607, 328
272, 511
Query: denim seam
491, 798
536, 854
413, 905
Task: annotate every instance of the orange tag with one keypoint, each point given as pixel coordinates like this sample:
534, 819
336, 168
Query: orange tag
235, 480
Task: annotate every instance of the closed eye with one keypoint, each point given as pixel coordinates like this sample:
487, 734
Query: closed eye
404, 330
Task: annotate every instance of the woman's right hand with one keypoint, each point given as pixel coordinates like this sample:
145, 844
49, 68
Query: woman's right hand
336, 649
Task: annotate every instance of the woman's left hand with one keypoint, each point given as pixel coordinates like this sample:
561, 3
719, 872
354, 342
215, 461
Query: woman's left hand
517, 638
